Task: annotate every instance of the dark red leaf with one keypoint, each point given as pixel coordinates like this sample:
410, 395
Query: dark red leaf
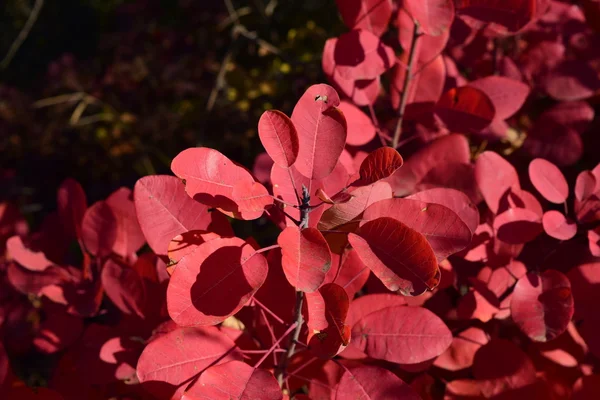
558, 226
494, 177
360, 127
164, 211
328, 341
27, 258
434, 16
279, 137
454, 200
542, 305
572, 80
215, 282
234, 380
360, 55
129, 234
72, 203
306, 257
183, 353
339, 198
512, 14
518, 225
351, 275
369, 382
400, 334
465, 109
462, 351
372, 15
99, 229
548, 180
57, 331
124, 287
586, 387
426, 86
507, 95
398, 255
585, 185
380, 164
428, 47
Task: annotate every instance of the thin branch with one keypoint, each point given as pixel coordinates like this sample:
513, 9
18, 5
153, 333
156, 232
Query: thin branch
407, 80
293, 327
265, 308
33, 16
281, 369
284, 202
275, 246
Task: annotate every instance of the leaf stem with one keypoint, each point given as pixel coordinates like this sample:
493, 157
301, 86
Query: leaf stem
275, 246
293, 327
407, 80
281, 369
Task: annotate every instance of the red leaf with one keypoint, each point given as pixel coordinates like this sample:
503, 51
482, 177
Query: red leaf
164, 211
586, 387
548, 180
572, 80
400, 334
426, 85
517, 225
99, 229
494, 177
465, 109
368, 382
306, 257
251, 198
209, 176
585, 185
27, 258
186, 243
124, 287
360, 127
234, 380
380, 164
129, 234
428, 47
321, 131
72, 203
398, 255
512, 14
263, 163
501, 365
542, 305
327, 342
372, 15
461, 352
507, 95
351, 275
369, 303
434, 16
444, 230
360, 55
183, 353
279, 137
558, 226
454, 200
338, 198
215, 282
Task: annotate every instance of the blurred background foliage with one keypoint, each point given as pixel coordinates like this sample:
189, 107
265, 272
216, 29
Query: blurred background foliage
106, 91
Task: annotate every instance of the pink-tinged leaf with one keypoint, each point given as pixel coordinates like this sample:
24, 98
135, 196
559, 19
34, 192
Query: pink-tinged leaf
542, 305
27, 258
279, 137
449, 149
572, 80
369, 303
360, 127
251, 199
57, 331
234, 380
186, 243
444, 230
558, 226
351, 275
465, 109
363, 197
164, 211
518, 198
99, 229
511, 15
124, 287
548, 180
494, 176
261, 169
306, 257
462, 389
369, 382
327, 342
130, 237
453, 199
215, 282
182, 354
380, 164
209, 176
507, 95
501, 365
428, 47
72, 203
586, 387
434, 16
518, 225
594, 241
400, 334
426, 87
371, 15
462, 351
398, 255
321, 131
360, 55
339, 198
585, 185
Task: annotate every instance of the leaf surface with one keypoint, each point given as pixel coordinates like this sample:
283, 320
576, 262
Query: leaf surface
434, 16
279, 137
372, 15
369, 382
465, 109
548, 180
380, 164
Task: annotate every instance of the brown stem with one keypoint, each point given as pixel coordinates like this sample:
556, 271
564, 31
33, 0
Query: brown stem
281, 369
407, 79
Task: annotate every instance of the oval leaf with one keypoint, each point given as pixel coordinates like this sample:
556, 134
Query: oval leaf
369, 382
434, 16
518, 225
327, 342
360, 127
548, 180
494, 176
558, 226
251, 199
398, 255
306, 257
99, 229
72, 203
507, 95
465, 109
380, 164
372, 15
279, 137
